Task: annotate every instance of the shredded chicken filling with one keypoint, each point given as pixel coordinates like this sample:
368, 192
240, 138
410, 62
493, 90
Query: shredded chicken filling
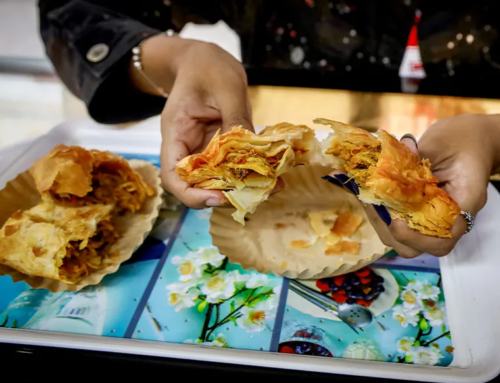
84, 256
107, 187
243, 157
360, 160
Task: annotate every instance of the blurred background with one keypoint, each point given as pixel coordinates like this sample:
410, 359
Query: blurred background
33, 100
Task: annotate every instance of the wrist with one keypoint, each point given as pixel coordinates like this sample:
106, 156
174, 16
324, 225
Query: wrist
160, 58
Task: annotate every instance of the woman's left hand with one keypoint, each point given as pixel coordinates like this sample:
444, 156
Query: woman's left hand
463, 151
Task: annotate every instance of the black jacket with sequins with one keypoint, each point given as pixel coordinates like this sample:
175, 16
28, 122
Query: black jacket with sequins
352, 44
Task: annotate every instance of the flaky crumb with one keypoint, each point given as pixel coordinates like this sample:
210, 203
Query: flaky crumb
300, 244
343, 247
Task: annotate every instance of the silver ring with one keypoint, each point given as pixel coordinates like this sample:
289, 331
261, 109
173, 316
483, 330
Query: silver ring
411, 137
470, 220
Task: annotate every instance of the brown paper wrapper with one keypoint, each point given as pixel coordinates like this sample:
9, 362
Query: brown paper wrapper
261, 246
21, 194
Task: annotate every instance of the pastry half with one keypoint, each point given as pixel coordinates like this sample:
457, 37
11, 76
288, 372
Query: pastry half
389, 174
72, 176
57, 242
246, 166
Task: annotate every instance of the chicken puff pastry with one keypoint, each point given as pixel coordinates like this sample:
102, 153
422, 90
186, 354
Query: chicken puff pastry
389, 174
73, 176
57, 242
246, 166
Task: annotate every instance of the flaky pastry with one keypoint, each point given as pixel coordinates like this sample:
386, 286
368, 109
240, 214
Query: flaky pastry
73, 176
246, 166
389, 174
71, 232
57, 242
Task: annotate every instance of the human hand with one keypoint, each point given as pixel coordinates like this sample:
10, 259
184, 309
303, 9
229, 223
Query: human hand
207, 91
463, 152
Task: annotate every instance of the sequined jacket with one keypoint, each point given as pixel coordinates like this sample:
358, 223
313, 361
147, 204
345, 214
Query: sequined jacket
352, 44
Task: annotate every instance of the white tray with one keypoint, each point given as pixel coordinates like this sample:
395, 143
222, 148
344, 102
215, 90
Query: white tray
471, 284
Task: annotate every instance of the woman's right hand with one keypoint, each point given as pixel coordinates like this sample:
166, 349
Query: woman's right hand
207, 91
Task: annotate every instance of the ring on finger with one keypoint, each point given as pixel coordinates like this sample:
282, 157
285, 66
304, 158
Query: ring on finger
411, 137
470, 220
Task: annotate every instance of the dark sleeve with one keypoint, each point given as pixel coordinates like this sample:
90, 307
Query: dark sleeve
71, 30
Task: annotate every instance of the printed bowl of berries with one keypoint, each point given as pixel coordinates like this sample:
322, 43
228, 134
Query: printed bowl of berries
373, 288
307, 340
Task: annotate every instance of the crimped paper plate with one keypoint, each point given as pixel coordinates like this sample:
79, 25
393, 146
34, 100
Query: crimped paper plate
21, 194
263, 244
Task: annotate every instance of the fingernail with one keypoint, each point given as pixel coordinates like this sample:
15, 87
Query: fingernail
348, 183
332, 181
383, 213
213, 202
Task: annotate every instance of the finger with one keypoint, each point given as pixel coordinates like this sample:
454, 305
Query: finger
436, 246
410, 144
232, 100
341, 179
191, 197
385, 235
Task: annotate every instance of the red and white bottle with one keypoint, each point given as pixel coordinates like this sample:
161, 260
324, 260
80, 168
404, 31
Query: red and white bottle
411, 70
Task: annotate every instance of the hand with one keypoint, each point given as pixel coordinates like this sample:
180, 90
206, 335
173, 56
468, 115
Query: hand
207, 91
463, 152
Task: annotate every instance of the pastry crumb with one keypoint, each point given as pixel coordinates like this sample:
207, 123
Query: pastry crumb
300, 244
347, 223
343, 247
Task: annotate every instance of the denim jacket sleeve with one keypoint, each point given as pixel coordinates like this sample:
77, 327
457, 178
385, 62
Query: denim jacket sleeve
90, 49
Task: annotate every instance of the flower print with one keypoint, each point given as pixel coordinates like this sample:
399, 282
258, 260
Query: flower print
274, 299
187, 268
425, 355
405, 316
410, 299
254, 319
436, 315
219, 341
218, 287
257, 280
425, 290
413, 285
405, 344
182, 296
206, 256
237, 276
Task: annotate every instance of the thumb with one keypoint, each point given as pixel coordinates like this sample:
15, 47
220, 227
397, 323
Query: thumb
235, 108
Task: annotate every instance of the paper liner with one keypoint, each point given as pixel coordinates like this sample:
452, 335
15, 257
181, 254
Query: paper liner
260, 246
21, 194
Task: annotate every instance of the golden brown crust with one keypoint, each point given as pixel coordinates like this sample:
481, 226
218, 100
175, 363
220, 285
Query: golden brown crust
388, 173
65, 170
246, 165
71, 232
73, 176
35, 241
